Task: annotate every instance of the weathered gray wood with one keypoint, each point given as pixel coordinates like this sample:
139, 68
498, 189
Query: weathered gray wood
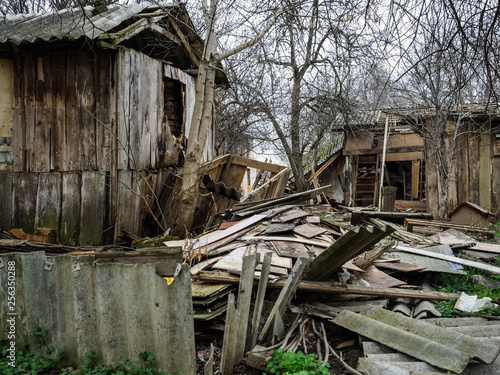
244, 300
85, 92
309, 230
278, 328
259, 298
105, 112
72, 131
286, 294
44, 117
24, 190
93, 208
58, 131
48, 214
344, 249
337, 288
229, 342
70, 210
6, 200
388, 198
492, 269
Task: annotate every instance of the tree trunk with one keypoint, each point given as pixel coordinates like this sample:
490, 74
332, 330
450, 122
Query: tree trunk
182, 215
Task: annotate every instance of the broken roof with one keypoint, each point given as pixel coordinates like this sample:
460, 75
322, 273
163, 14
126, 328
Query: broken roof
163, 32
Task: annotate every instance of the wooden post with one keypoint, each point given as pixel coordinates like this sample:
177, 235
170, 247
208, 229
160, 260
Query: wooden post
388, 198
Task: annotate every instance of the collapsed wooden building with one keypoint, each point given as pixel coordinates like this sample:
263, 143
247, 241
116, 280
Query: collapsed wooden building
410, 159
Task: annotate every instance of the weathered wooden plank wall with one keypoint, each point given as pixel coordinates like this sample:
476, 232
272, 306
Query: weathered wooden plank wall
475, 178
86, 125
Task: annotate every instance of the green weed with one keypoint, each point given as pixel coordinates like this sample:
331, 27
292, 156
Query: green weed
290, 363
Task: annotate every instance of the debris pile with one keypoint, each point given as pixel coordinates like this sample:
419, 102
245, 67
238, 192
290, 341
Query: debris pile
368, 278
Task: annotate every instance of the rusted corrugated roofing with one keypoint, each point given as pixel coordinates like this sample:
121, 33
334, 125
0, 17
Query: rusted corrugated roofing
68, 23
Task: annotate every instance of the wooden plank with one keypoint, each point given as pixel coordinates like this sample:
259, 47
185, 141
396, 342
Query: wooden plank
479, 246
279, 227
448, 258
375, 277
209, 239
323, 167
283, 262
259, 298
484, 172
390, 150
204, 264
30, 111
287, 239
93, 208
293, 214
86, 102
18, 154
48, 202
72, 130
347, 247
105, 111
337, 288
244, 300
6, 96
438, 225
462, 170
200, 289
495, 186
229, 341
286, 295
397, 265
44, 113
290, 249
144, 88
6, 205
70, 208
58, 131
24, 190
234, 260
309, 230
415, 177
251, 163
473, 165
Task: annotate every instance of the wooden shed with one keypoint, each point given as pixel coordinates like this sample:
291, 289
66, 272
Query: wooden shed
95, 106
410, 162
404, 160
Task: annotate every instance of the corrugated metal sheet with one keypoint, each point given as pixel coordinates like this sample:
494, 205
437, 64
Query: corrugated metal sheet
67, 23
119, 310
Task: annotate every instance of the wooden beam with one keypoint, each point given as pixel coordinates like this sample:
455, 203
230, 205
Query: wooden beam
494, 270
287, 239
379, 150
184, 41
250, 163
324, 166
286, 295
126, 33
259, 298
160, 30
337, 288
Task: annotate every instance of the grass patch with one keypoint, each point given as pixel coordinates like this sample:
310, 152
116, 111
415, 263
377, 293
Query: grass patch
451, 283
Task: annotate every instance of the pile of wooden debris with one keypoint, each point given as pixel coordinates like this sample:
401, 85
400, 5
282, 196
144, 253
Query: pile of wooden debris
358, 272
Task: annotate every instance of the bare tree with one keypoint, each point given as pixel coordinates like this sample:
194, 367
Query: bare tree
182, 218
298, 80
442, 75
